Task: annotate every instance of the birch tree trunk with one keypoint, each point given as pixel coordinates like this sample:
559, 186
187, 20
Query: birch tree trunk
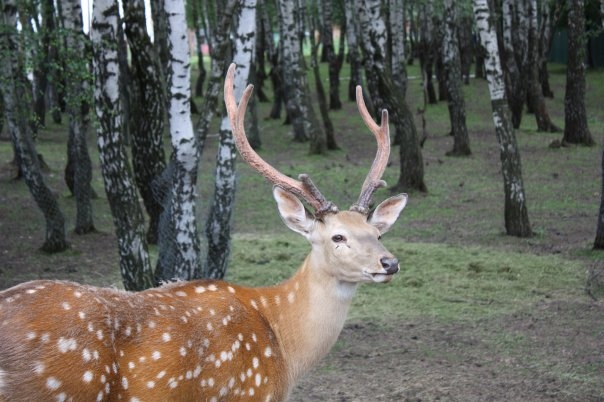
147, 112
576, 130
297, 92
546, 36
515, 54
384, 95
599, 241
218, 225
535, 99
180, 257
452, 66
77, 90
397, 41
220, 45
516, 215
330, 55
121, 193
16, 104
352, 32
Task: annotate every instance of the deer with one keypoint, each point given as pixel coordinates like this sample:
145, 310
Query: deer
205, 340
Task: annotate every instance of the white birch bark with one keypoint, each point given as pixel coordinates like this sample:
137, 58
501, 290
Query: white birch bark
397, 27
297, 91
77, 91
185, 263
119, 186
516, 215
218, 225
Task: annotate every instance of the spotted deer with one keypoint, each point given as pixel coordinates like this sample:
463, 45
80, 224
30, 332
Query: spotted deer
204, 340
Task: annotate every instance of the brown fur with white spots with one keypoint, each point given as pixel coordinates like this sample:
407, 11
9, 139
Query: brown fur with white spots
199, 340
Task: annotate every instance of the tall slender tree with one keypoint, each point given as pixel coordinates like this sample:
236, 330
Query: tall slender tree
599, 241
77, 92
17, 104
535, 98
147, 112
330, 55
383, 92
354, 58
180, 257
121, 193
218, 224
452, 66
576, 130
516, 214
297, 91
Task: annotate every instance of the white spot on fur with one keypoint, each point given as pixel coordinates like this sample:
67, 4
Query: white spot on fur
66, 344
87, 377
156, 355
268, 351
52, 383
166, 337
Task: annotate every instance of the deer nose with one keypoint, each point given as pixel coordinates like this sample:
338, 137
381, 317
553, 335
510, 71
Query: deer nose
390, 264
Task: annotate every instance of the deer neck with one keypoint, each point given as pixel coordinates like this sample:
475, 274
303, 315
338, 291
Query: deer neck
308, 314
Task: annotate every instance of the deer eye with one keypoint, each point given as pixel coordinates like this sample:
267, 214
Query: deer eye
338, 238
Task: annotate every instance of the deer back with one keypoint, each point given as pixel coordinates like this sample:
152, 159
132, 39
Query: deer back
183, 341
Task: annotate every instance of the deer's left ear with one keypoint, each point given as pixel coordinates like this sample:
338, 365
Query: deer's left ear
385, 214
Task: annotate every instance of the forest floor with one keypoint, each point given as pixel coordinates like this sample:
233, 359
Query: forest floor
541, 338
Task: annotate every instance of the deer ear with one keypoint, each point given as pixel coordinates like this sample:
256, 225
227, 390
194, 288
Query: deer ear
292, 211
385, 214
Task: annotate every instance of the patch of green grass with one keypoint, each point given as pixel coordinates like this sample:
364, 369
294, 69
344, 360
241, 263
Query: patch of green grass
439, 281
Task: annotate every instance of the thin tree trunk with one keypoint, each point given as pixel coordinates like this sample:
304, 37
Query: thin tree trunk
147, 112
17, 103
218, 225
121, 193
464, 34
297, 92
397, 40
515, 51
321, 98
452, 63
575, 116
516, 215
599, 241
181, 253
535, 97
383, 93
330, 54
76, 95
546, 36
352, 32
220, 46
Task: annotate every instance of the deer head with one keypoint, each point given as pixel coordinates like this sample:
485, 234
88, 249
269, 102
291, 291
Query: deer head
345, 244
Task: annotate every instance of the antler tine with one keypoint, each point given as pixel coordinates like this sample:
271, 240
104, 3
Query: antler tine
373, 181
304, 188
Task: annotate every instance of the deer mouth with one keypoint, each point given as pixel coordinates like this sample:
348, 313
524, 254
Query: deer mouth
378, 277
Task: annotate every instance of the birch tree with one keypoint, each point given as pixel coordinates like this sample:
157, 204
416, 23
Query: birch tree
354, 58
330, 55
299, 107
121, 193
516, 215
373, 39
16, 101
576, 130
180, 248
218, 224
452, 67
599, 241
220, 45
535, 98
77, 90
147, 111
397, 44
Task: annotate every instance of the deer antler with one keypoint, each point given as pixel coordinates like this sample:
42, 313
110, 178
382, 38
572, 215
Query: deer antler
373, 180
304, 188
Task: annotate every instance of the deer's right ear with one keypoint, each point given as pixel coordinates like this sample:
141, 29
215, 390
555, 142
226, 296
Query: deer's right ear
292, 211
